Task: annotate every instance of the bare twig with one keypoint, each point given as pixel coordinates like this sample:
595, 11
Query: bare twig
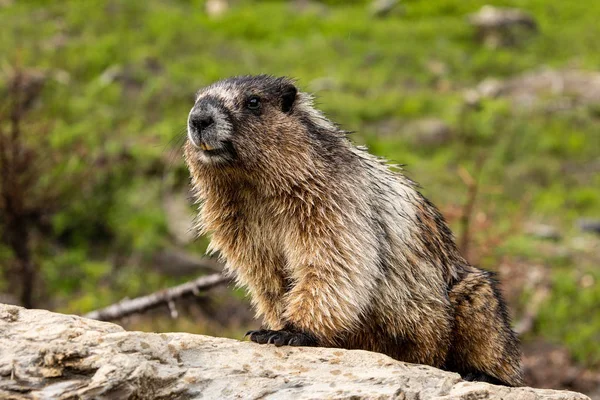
472, 184
34, 180
15, 169
164, 297
531, 312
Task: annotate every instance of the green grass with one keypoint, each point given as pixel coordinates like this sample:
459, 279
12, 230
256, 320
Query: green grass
571, 315
121, 79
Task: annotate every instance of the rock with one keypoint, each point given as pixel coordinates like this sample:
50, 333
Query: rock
543, 231
430, 132
552, 89
497, 27
216, 8
383, 8
589, 225
45, 355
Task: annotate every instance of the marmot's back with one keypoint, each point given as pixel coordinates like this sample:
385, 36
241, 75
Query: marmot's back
334, 248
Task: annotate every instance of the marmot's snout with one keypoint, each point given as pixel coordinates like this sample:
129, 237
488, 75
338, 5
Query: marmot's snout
209, 129
201, 122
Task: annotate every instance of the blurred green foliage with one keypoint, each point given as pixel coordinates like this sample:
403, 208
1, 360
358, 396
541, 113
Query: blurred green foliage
571, 315
120, 79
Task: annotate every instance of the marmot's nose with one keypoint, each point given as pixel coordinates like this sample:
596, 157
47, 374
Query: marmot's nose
201, 122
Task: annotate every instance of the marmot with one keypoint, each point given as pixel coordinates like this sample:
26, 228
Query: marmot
335, 248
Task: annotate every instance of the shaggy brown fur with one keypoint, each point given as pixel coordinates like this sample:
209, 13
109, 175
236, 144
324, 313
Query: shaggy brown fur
335, 248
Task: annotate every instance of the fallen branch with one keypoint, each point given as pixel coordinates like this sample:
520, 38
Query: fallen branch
531, 312
164, 297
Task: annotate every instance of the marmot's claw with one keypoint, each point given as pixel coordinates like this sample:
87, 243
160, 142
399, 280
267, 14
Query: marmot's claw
301, 339
261, 336
249, 333
295, 341
281, 338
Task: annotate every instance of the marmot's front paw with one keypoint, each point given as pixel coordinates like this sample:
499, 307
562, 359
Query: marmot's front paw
281, 338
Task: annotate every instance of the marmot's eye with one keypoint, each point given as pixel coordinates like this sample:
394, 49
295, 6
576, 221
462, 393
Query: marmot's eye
253, 103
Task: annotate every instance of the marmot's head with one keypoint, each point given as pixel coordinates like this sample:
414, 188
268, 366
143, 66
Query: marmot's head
255, 123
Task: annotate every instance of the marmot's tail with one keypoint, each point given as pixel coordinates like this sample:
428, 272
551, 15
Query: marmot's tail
485, 348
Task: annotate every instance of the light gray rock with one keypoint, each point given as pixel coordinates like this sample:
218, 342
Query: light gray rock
543, 231
497, 27
589, 225
429, 132
216, 8
549, 89
44, 355
382, 8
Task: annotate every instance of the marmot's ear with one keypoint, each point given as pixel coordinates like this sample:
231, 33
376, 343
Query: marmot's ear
288, 97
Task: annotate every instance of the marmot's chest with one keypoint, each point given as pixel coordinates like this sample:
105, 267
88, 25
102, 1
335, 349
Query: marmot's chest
248, 229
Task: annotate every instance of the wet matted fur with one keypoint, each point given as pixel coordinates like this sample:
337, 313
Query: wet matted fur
335, 247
